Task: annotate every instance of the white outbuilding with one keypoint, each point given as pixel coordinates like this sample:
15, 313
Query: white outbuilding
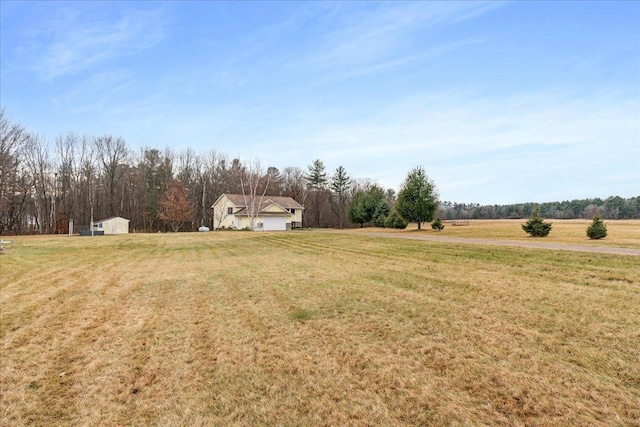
113, 225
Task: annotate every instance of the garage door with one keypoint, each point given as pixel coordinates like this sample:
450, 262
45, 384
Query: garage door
274, 223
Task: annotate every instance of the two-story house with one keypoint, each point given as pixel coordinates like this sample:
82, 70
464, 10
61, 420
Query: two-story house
273, 214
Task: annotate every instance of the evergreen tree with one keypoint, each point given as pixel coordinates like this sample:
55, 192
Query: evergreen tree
380, 221
364, 204
318, 197
437, 224
418, 197
597, 229
382, 210
536, 226
317, 176
395, 220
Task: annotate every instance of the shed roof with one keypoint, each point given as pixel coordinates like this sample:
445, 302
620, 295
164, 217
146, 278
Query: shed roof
113, 217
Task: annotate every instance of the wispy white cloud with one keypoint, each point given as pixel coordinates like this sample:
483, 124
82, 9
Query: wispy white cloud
73, 41
94, 92
386, 34
458, 135
387, 65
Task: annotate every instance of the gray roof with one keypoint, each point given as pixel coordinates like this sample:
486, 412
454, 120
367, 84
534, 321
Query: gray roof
285, 202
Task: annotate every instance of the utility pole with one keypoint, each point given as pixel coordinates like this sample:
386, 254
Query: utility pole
92, 194
55, 198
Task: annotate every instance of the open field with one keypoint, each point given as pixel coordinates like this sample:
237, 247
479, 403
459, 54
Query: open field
315, 328
622, 233
623, 238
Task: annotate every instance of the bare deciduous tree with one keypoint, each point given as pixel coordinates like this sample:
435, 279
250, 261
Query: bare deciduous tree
113, 155
13, 183
38, 161
220, 213
294, 184
254, 185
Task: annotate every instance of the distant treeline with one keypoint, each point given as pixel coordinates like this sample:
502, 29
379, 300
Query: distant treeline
613, 207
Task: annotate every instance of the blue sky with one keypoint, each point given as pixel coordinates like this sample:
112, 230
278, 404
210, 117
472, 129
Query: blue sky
501, 102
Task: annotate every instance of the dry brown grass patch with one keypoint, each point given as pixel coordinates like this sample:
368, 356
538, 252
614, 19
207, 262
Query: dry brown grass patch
621, 233
314, 329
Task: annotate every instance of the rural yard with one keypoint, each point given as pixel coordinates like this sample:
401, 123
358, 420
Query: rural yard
322, 328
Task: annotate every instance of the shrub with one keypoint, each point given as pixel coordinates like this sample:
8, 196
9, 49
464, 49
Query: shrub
396, 221
437, 224
597, 229
536, 225
381, 221
381, 213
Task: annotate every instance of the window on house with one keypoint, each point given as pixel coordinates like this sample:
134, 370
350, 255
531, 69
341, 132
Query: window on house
293, 211
229, 211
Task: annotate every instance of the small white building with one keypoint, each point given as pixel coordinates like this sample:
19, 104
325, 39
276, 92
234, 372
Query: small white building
113, 225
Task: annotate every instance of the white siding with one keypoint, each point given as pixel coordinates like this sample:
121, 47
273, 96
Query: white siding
114, 226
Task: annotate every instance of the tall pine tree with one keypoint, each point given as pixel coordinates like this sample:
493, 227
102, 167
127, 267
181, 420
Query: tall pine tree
317, 176
318, 196
418, 198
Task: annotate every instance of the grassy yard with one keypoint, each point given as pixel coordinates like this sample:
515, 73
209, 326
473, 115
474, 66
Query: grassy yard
313, 328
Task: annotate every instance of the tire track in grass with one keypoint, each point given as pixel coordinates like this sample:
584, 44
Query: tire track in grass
501, 324
505, 325
275, 361
364, 402
160, 347
240, 362
49, 356
209, 329
246, 365
522, 327
383, 342
197, 341
377, 251
157, 350
47, 304
21, 305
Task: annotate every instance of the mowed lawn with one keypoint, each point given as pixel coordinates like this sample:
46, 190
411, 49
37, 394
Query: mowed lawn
314, 328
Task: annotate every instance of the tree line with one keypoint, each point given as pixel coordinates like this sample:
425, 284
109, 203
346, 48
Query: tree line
46, 183
614, 207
